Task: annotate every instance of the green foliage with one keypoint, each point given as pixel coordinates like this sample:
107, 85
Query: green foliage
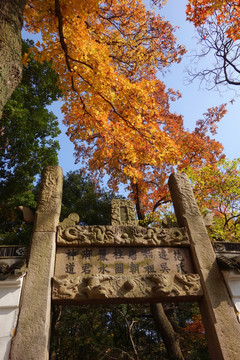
105, 332
217, 190
81, 196
27, 144
122, 332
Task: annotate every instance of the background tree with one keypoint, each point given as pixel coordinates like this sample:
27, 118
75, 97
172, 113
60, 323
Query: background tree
107, 73
82, 196
217, 192
27, 144
218, 29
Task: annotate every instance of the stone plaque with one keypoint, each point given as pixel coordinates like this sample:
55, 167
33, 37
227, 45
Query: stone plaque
89, 275
122, 261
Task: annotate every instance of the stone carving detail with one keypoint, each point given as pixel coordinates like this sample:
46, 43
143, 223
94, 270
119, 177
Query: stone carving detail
181, 186
72, 220
122, 212
221, 246
11, 266
122, 287
228, 262
49, 193
108, 235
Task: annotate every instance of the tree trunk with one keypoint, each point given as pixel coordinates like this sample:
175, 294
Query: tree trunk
138, 202
169, 336
11, 18
163, 324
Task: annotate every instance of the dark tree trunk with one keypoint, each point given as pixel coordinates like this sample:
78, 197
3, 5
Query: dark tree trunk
138, 201
163, 324
169, 336
11, 15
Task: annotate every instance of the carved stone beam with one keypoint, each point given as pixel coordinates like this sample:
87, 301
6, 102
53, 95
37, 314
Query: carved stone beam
108, 235
101, 289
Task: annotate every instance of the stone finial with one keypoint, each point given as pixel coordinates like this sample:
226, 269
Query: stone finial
123, 212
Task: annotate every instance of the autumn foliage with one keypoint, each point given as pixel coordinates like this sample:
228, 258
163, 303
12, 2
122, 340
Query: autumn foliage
107, 55
217, 189
227, 12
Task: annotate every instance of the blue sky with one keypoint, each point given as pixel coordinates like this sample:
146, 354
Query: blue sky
194, 101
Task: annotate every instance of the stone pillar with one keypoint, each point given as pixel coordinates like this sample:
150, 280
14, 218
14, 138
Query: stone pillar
33, 331
220, 320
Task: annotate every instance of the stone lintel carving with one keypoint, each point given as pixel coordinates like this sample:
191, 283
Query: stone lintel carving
123, 212
103, 287
108, 235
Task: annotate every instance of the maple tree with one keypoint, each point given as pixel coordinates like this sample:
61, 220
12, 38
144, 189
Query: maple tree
218, 29
117, 111
114, 104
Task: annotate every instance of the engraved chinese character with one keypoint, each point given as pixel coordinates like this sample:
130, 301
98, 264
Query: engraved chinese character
71, 254
103, 269
102, 255
177, 255
86, 254
70, 268
118, 254
180, 267
119, 268
147, 254
86, 268
132, 254
163, 254
149, 269
134, 268
164, 267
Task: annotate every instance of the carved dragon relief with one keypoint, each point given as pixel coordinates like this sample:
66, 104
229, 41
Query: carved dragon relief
147, 287
109, 235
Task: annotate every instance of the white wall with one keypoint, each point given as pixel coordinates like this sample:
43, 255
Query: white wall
10, 291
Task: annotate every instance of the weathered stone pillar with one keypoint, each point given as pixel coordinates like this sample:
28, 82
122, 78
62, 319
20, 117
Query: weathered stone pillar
33, 331
220, 320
